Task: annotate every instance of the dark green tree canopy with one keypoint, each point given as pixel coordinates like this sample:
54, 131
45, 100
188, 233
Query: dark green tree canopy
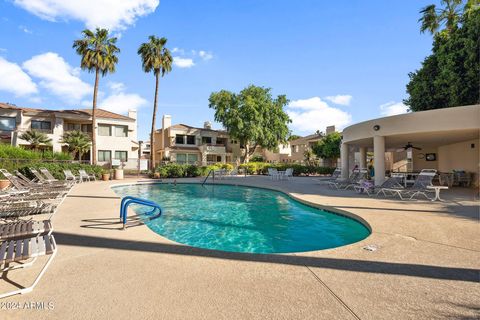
450, 76
328, 147
36, 138
252, 116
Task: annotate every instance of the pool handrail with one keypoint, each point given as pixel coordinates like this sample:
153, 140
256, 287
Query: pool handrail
208, 175
126, 201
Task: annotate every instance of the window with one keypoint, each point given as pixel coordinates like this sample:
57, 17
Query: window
192, 158
8, 123
190, 139
104, 130
181, 158
121, 155
86, 128
121, 131
179, 139
41, 125
206, 139
104, 155
222, 141
233, 141
73, 126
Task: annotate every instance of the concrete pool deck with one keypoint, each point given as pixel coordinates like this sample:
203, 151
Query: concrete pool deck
426, 265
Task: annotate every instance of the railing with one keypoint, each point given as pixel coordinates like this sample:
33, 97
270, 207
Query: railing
126, 201
208, 175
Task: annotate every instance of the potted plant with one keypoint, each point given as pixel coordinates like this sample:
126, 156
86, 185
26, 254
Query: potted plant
4, 183
117, 169
105, 175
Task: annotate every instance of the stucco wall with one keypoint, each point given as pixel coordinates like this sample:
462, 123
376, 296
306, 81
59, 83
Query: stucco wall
459, 156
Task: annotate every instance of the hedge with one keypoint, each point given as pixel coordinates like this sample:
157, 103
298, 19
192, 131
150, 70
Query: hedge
175, 170
298, 169
10, 152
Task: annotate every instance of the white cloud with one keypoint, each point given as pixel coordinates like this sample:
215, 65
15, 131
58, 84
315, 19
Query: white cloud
118, 100
57, 76
309, 115
111, 14
178, 50
393, 108
25, 29
183, 62
340, 99
205, 55
13, 79
121, 102
116, 86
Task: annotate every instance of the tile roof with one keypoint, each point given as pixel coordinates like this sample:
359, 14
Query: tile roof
85, 112
184, 126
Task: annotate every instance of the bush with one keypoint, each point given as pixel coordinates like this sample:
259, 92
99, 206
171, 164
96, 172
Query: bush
10, 152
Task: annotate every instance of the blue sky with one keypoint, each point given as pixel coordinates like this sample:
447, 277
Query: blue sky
338, 62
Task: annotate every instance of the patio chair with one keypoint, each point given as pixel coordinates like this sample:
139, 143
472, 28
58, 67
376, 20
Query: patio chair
84, 175
47, 174
69, 176
25, 252
24, 178
288, 173
272, 173
461, 177
390, 186
335, 174
27, 209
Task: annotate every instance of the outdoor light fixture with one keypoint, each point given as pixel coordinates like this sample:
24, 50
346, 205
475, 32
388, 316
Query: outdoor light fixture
376, 127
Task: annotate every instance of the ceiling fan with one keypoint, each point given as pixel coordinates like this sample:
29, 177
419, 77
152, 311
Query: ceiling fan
408, 146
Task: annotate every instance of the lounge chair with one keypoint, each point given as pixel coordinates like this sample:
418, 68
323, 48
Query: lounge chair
21, 184
69, 176
41, 179
340, 181
84, 175
389, 186
47, 174
24, 228
424, 179
362, 175
23, 250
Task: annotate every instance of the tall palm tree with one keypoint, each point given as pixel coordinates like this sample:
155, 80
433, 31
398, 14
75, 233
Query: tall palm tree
36, 138
157, 58
77, 141
98, 52
450, 15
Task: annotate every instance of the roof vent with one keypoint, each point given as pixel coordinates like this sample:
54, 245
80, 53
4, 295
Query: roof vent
207, 125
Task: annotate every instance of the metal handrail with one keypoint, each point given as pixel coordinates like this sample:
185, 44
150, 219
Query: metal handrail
126, 201
208, 175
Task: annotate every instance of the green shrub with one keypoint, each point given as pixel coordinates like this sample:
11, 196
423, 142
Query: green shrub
56, 168
10, 152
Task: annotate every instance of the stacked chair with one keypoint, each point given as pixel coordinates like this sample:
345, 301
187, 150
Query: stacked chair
24, 238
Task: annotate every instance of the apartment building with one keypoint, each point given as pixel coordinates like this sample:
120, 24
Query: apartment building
186, 144
116, 133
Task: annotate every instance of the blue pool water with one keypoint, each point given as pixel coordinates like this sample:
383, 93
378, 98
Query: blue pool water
243, 219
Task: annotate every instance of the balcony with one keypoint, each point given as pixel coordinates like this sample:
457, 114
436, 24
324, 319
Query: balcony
213, 148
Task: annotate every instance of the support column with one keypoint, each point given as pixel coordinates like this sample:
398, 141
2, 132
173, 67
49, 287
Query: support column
363, 157
379, 159
344, 159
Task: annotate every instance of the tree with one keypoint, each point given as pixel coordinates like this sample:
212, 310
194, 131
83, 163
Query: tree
328, 147
157, 58
450, 76
252, 117
450, 15
99, 55
36, 139
309, 157
77, 141
293, 137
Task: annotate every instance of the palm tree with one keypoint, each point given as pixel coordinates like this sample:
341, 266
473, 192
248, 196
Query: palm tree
36, 138
157, 58
77, 141
450, 15
98, 52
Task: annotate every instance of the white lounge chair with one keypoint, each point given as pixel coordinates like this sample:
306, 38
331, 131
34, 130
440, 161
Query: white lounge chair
69, 176
84, 175
23, 253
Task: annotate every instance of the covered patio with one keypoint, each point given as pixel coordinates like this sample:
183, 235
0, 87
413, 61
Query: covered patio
446, 140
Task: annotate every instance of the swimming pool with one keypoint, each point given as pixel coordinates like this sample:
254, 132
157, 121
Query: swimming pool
243, 219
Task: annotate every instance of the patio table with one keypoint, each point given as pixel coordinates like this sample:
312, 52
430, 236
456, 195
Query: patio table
437, 191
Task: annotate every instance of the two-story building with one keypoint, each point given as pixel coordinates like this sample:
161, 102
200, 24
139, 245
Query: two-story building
116, 134
181, 143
